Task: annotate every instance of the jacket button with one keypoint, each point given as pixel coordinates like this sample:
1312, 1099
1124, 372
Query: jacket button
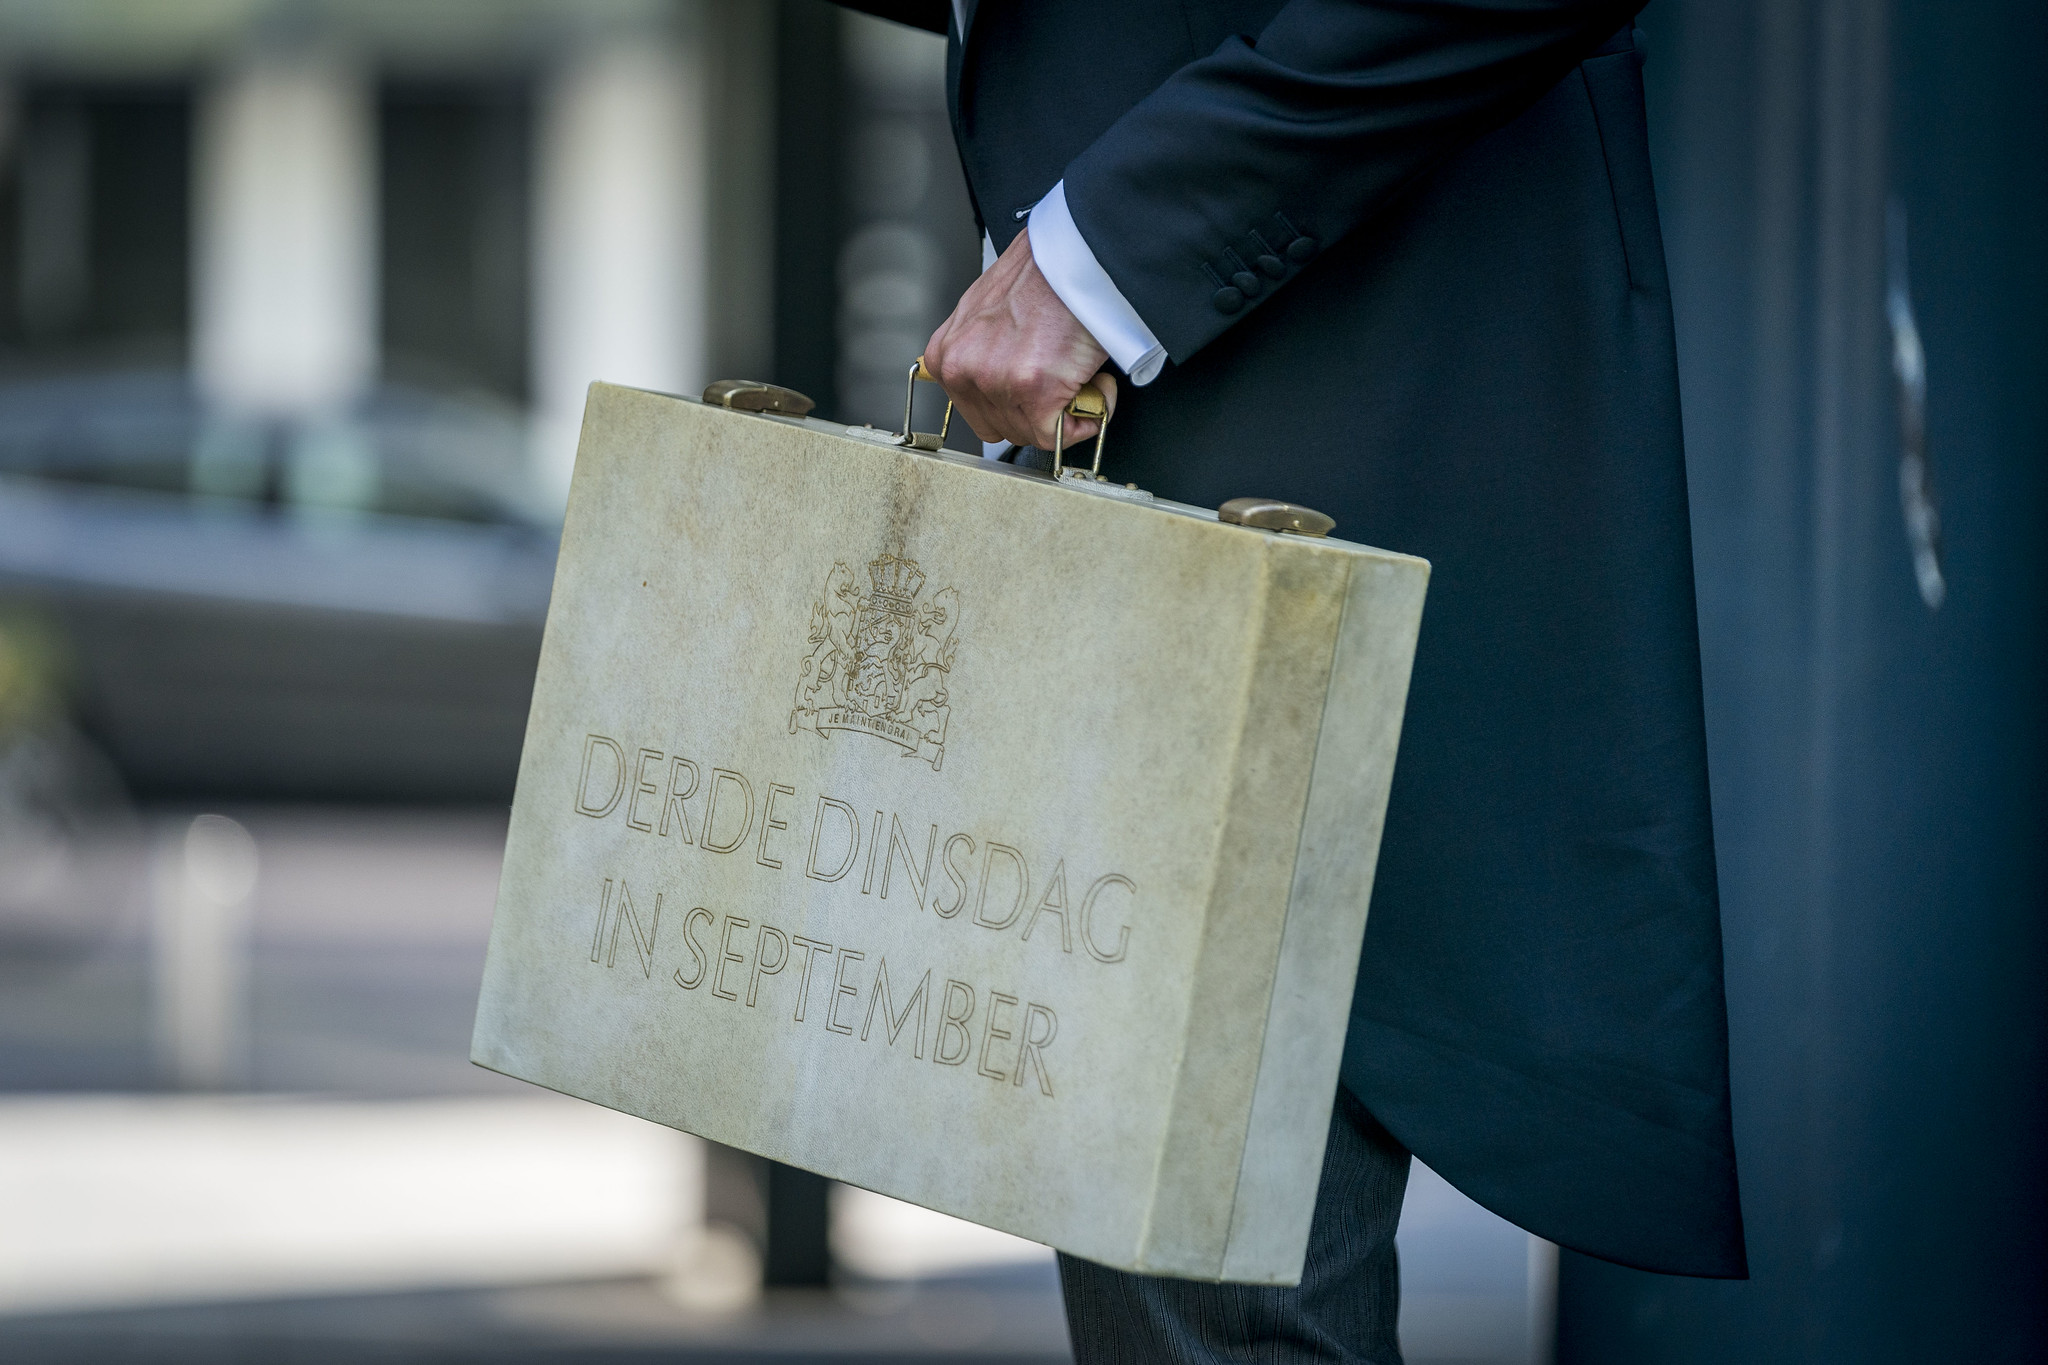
1248, 283
1227, 300
1272, 265
1300, 249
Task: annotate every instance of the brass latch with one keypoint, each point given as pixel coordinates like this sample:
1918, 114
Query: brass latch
751, 395
1270, 514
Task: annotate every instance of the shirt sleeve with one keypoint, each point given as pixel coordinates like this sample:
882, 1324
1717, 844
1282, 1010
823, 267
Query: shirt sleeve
1068, 263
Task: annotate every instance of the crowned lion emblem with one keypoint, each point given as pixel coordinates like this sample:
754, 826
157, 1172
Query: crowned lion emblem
879, 662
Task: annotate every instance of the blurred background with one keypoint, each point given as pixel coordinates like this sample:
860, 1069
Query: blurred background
298, 302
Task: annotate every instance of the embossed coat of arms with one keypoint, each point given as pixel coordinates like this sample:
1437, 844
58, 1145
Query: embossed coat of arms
879, 663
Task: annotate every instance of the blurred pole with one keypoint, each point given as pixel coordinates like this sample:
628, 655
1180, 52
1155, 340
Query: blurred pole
725, 1267
199, 953
620, 256
809, 197
1542, 1301
799, 1206
285, 247
780, 1213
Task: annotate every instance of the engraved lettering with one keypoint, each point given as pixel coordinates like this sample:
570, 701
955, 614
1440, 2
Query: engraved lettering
1023, 887
604, 908
1030, 1052
879, 999
918, 877
1123, 933
643, 944
672, 807
818, 830
732, 817
954, 1022
955, 875
840, 990
952, 1042
696, 978
642, 787
584, 805
625, 916
769, 822
726, 954
867, 881
719, 777
1053, 902
762, 967
991, 1035
811, 949
715, 944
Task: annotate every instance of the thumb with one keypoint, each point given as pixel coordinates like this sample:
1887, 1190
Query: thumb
1079, 429
1106, 381
1072, 428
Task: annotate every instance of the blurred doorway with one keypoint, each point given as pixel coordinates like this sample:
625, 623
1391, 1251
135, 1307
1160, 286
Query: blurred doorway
94, 257
455, 163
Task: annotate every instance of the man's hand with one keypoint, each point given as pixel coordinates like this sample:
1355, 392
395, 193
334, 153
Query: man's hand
1012, 356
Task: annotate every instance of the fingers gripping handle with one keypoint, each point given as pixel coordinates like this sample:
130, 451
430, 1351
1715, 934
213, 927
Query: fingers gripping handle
1090, 404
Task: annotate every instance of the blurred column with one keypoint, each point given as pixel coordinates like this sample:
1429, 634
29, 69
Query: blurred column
285, 251
621, 222
199, 953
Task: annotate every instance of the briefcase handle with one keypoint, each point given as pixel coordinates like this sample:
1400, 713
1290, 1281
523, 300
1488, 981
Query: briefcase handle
1090, 404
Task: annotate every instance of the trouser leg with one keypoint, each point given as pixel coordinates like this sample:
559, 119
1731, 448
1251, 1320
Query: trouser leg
1345, 1310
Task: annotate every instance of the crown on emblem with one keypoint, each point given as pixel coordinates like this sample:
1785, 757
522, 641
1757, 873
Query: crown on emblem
897, 581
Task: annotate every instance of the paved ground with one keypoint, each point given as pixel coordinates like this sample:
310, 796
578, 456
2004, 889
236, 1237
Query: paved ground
346, 1206
984, 1319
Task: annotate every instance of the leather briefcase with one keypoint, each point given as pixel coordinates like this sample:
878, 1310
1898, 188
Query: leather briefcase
993, 840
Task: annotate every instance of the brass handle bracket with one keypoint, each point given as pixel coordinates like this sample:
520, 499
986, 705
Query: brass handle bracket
922, 440
1092, 405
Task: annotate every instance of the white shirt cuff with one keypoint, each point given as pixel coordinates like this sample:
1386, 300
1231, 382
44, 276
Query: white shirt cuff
1070, 267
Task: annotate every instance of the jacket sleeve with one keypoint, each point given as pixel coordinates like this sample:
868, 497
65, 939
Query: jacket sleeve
1212, 193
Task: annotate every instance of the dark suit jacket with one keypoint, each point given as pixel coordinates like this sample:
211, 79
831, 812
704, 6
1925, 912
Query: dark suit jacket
1405, 258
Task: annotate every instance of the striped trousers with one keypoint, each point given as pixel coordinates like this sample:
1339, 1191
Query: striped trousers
1344, 1310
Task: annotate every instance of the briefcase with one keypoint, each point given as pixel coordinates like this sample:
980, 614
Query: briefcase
994, 839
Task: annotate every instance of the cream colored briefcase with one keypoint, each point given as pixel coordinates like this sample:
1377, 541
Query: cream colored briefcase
997, 842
